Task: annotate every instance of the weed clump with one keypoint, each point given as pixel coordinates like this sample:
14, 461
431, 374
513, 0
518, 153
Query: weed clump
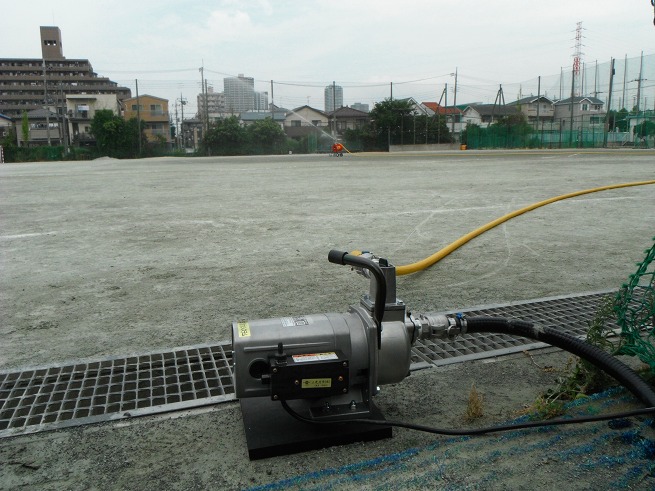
580, 378
475, 406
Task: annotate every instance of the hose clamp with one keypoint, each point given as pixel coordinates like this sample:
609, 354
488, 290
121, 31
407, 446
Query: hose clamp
456, 325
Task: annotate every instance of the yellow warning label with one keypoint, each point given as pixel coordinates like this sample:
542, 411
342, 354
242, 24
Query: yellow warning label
316, 383
243, 328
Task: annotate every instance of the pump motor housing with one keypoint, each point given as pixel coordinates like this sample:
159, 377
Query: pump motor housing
319, 356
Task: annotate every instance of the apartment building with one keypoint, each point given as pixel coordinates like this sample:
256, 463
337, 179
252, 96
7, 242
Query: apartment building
6, 125
80, 110
27, 84
44, 127
239, 94
153, 111
213, 103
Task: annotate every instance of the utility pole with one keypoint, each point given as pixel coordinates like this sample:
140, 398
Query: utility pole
609, 103
183, 101
391, 85
206, 105
138, 114
177, 125
446, 102
538, 98
182, 138
625, 72
641, 67
202, 91
444, 92
334, 109
452, 116
500, 97
272, 104
64, 133
571, 105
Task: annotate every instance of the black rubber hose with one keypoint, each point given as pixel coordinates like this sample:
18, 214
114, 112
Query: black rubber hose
599, 358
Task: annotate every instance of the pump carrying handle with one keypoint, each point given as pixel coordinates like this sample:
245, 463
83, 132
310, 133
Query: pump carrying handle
344, 258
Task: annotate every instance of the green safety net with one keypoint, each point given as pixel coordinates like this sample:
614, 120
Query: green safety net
635, 312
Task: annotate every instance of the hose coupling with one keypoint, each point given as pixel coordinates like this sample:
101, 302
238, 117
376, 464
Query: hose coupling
440, 326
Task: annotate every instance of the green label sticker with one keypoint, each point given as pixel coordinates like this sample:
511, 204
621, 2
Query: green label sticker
316, 383
243, 328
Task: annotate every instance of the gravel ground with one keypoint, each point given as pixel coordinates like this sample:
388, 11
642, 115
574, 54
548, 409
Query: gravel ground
110, 257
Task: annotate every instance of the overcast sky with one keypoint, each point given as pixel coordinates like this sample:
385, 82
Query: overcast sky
315, 42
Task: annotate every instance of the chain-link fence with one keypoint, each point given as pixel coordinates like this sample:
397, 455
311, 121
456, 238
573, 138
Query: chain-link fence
635, 311
554, 137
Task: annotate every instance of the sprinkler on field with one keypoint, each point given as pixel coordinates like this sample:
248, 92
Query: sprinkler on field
337, 150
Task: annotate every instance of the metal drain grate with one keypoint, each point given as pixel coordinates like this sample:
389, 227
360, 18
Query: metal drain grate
55, 397
571, 314
47, 398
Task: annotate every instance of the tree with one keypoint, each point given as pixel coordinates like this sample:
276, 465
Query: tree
471, 135
129, 138
644, 129
225, 137
362, 139
437, 128
618, 120
516, 120
389, 118
105, 129
510, 131
116, 137
265, 136
8, 143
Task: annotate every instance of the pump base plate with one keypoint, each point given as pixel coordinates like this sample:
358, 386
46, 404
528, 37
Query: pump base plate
272, 432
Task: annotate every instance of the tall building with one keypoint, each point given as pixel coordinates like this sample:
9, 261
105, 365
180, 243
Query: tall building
28, 84
215, 105
261, 101
51, 48
333, 97
239, 94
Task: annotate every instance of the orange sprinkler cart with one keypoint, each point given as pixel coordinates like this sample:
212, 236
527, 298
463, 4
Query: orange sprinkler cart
337, 150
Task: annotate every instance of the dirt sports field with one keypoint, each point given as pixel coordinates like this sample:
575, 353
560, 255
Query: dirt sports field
109, 257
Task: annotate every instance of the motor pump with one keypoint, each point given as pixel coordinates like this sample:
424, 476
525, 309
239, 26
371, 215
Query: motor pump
331, 365
334, 363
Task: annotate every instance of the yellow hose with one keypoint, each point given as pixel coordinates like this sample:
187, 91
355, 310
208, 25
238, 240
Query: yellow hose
439, 255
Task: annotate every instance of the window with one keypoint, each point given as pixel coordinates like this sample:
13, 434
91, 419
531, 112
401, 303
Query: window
295, 123
316, 122
585, 107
